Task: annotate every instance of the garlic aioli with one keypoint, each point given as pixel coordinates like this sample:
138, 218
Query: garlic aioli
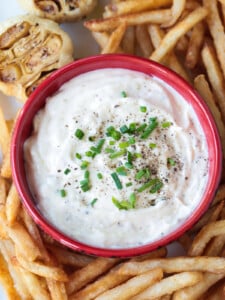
160, 176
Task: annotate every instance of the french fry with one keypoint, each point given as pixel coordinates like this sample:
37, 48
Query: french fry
12, 205
128, 41
4, 134
133, 6
171, 38
70, 258
41, 269
2, 191
176, 11
87, 274
215, 75
174, 265
182, 44
194, 46
143, 40
6, 171
104, 283
217, 30
185, 240
115, 39
133, 286
7, 281
196, 291
220, 194
155, 16
215, 246
204, 236
170, 285
57, 289
159, 253
202, 87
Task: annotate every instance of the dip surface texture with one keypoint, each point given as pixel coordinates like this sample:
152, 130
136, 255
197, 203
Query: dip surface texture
117, 159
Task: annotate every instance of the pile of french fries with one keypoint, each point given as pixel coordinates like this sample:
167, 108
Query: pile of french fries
187, 36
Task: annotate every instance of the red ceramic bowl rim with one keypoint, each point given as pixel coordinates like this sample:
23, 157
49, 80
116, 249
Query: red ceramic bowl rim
52, 83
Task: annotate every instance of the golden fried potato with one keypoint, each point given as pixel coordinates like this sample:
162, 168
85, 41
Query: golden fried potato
59, 10
30, 48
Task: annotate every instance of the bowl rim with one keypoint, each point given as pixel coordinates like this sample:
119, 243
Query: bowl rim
113, 61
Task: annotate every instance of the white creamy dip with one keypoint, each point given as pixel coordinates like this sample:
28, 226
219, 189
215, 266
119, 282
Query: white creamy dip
162, 177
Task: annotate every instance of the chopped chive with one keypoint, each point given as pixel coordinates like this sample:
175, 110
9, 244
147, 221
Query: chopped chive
171, 162
84, 164
138, 155
166, 124
99, 175
156, 186
116, 203
143, 109
129, 184
62, 193
124, 145
98, 148
129, 157
131, 140
109, 150
86, 174
117, 154
94, 201
123, 94
85, 187
121, 171
110, 130
152, 125
146, 185
132, 200
89, 154
67, 171
142, 127
152, 145
79, 134
128, 165
140, 174
124, 129
111, 143
132, 128
78, 156
116, 135
117, 181
147, 173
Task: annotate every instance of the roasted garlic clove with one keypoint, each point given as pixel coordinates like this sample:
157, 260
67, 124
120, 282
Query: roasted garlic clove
37, 47
10, 73
13, 34
59, 10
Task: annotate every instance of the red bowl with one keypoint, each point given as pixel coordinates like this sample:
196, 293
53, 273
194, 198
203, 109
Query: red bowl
23, 130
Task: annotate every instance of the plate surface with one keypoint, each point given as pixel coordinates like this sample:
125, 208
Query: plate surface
84, 45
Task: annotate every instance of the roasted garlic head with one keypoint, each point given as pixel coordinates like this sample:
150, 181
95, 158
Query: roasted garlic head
30, 49
59, 10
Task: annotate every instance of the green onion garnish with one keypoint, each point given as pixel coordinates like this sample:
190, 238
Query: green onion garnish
124, 145
98, 148
152, 145
62, 193
129, 157
132, 200
91, 138
78, 156
128, 165
142, 127
123, 94
109, 150
131, 141
140, 174
166, 124
84, 164
85, 185
129, 184
86, 174
152, 125
89, 154
124, 129
143, 109
147, 185
117, 181
121, 171
156, 186
171, 162
79, 134
132, 128
94, 201
67, 171
117, 154
111, 143
99, 175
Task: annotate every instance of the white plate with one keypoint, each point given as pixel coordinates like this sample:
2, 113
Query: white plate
84, 46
